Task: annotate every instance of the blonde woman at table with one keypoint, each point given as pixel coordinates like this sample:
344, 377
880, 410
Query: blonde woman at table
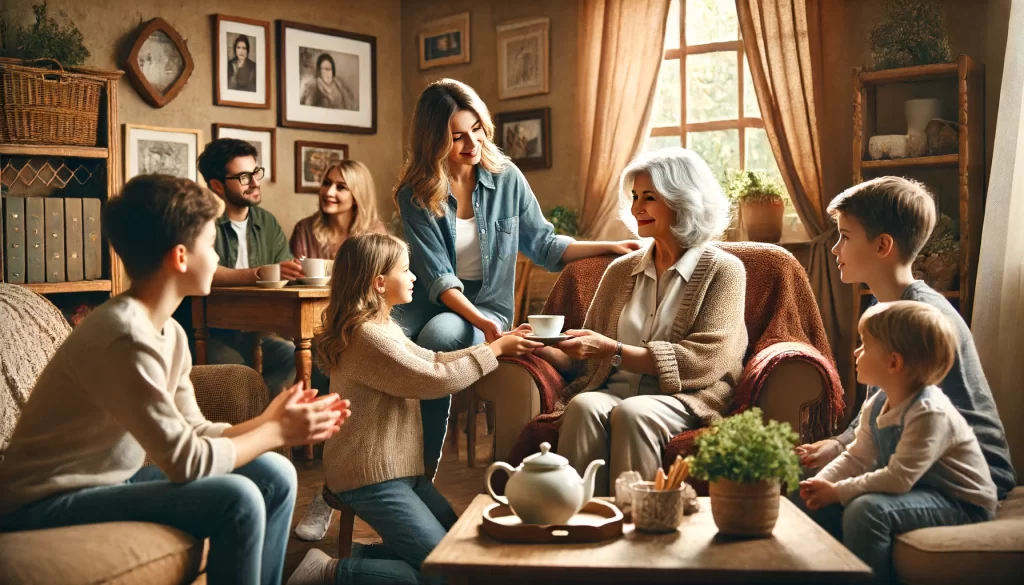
347, 207
375, 463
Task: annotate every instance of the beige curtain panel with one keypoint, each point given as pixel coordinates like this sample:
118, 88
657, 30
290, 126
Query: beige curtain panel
783, 46
999, 300
620, 49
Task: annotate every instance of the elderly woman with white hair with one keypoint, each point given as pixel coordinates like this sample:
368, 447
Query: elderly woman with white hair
664, 338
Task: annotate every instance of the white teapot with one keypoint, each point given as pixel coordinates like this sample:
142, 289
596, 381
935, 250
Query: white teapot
545, 489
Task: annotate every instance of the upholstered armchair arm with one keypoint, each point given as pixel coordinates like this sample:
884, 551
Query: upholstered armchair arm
792, 382
229, 393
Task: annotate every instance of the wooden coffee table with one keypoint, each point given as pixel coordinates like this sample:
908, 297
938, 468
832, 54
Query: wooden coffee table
799, 551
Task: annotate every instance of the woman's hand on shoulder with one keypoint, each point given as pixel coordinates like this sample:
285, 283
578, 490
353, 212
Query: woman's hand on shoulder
587, 345
623, 247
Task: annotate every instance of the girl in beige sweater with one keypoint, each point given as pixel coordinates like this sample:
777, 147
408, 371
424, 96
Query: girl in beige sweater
377, 466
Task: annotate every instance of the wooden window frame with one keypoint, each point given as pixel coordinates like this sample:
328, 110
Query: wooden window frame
740, 123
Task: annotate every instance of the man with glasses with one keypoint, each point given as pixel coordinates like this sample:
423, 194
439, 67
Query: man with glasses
249, 239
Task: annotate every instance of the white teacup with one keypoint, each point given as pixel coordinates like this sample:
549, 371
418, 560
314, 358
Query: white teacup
313, 267
271, 273
547, 325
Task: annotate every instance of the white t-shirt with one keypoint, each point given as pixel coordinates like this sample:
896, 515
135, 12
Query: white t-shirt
467, 250
242, 261
650, 314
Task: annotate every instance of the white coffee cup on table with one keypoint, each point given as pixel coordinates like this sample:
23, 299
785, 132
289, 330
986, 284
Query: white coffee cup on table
547, 325
313, 267
271, 273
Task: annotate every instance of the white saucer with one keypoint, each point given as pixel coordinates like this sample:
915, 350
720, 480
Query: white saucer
315, 280
271, 283
548, 340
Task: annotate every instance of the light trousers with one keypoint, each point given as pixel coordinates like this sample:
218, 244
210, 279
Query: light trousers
629, 434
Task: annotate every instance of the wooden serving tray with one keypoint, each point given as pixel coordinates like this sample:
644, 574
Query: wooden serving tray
597, 521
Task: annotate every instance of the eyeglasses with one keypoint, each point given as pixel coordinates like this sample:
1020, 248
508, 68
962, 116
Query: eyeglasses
245, 179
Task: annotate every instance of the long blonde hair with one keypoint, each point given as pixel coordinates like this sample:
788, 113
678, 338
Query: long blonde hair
354, 300
364, 196
425, 169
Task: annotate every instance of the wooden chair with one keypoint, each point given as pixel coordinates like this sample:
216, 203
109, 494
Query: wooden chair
348, 520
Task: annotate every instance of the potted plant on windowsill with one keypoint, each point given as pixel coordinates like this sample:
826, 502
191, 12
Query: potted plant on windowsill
761, 200
744, 461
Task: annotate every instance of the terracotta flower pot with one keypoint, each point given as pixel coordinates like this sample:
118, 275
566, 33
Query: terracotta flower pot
763, 221
744, 509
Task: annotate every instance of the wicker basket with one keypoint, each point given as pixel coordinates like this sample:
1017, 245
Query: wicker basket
44, 106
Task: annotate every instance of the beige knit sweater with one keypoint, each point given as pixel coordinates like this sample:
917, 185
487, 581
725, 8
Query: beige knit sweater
385, 375
702, 362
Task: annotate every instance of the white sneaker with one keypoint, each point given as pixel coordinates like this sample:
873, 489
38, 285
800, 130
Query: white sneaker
316, 521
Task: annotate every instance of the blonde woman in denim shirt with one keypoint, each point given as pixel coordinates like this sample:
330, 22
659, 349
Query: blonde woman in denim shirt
467, 212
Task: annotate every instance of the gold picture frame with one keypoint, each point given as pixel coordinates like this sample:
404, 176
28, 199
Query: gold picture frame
444, 41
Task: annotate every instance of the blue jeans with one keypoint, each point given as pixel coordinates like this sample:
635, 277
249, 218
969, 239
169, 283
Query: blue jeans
410, 516
246, 514
868, 525
444, 332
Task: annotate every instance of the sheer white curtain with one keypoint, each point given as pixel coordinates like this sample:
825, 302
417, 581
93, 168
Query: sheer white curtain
999, 301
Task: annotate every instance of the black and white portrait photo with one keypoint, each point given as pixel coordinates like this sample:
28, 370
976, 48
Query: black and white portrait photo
169, 151
327, 79
242, 56
241, 68
160, 61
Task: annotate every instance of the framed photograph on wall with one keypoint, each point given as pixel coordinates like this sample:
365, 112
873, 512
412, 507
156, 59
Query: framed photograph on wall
312, 159
241, 62
444, 41
327, 79
167, 151
158, 63
523, 58
264, 140
525, 136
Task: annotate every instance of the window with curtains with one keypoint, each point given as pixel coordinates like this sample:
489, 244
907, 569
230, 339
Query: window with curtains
705, 96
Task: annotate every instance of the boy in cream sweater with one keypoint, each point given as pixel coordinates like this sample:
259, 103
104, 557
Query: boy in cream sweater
915, 461
118, 389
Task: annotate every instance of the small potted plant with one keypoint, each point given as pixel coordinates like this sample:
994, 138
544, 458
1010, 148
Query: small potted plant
912, 33
565, 220
762, 201
45, 39
744, 461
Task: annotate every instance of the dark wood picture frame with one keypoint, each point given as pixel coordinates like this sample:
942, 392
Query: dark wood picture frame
299, 169
149, 93
543, 161
217, 54
449, 24
273, 142
282, 85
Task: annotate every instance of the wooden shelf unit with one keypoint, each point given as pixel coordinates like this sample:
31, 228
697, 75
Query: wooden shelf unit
968, 161
107, 153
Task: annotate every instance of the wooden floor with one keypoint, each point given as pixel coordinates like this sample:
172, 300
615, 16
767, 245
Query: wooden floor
457, 482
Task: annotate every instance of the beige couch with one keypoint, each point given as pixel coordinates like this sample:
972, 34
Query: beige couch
119, 553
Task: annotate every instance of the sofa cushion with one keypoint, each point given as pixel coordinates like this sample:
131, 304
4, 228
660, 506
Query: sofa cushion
990, 551
119, 553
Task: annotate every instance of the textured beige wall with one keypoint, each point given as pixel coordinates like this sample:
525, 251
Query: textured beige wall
108, 28
560, 184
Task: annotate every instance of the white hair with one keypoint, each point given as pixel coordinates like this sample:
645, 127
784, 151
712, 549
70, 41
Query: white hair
687, 186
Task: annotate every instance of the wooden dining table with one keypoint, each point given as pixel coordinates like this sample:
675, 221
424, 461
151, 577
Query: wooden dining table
293, 312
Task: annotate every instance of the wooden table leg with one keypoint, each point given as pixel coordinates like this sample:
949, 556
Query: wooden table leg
303, 371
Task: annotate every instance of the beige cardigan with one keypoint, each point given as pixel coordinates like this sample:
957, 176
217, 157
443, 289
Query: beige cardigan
385, 379
702, 363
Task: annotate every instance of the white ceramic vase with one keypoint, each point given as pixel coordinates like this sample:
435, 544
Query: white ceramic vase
919, 112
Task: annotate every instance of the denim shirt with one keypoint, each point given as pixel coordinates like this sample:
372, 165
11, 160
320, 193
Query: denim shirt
508, 219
